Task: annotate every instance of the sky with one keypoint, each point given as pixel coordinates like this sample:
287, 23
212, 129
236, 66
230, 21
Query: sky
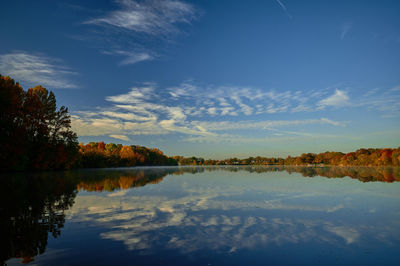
214, 79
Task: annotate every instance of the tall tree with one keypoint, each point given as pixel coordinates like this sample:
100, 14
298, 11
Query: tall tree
35, 135
12, 133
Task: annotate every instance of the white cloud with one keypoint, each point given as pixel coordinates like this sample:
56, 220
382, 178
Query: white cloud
171, 125
228, 125
131, 57
132, 26
121, 137
138, 106
212, 111
85, 125
136, 95
176, 113
127, 116
220, 114
339, 98
350, 235
247, 110
228, 111
301, 108
190, 110
150, 17
36, 69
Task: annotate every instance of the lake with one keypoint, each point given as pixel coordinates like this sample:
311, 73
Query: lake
249, 215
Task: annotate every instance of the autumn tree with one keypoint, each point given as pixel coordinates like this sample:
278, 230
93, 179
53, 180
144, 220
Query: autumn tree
126, 152
35, 134
396, 157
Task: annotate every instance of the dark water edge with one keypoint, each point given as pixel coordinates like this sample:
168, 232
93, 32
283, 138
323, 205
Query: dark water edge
52, 218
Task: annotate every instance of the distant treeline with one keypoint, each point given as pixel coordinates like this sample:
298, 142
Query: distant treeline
99, 154
362, 157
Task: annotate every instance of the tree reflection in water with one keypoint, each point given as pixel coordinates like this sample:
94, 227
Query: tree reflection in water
33, 205
362, 173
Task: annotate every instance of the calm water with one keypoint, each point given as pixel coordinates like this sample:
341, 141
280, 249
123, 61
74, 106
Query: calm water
202, 216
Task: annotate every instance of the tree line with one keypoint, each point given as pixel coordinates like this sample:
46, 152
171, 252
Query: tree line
361, 157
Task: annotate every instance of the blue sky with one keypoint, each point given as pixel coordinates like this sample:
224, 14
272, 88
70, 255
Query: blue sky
214, 78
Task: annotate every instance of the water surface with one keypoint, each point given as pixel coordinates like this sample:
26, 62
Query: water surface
202, 216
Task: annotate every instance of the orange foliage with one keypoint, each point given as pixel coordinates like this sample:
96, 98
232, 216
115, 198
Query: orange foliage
126, 152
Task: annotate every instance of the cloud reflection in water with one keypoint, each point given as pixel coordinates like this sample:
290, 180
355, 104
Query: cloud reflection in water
231, 211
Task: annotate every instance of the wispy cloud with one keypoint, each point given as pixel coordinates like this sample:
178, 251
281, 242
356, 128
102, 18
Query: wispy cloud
134, 113
227, 113
36, 69
278, 136
157, 18
130, 30
386, 102
339, 98
121, 137
371, 92
131, 57
284, 8
187, 109
345, 29
227, 125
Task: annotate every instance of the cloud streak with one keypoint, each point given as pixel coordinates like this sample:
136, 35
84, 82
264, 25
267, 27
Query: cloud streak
284, 8
156, 18
131, 57
130, 30
121, 137
36, 69
226, 125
